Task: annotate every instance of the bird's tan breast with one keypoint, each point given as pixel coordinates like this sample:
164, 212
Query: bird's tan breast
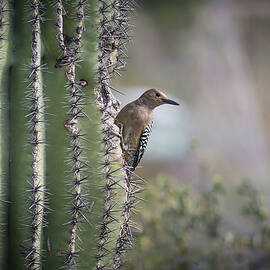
134, 120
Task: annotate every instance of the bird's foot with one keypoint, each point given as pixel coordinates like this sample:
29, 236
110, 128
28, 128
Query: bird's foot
120, 136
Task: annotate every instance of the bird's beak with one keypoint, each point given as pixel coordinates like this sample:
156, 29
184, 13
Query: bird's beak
169, 101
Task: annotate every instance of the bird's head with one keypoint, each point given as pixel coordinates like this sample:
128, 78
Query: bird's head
155, 97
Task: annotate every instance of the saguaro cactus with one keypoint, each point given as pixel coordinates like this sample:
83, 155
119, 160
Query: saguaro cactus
65, 200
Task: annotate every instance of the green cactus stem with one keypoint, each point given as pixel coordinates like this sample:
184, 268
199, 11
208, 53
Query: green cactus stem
114, 34
108, 107
4, 126
61, 185
75, 99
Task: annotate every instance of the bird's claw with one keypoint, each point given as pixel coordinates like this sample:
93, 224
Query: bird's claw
120, 135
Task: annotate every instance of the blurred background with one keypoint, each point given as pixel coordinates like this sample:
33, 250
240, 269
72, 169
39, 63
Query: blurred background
207, 162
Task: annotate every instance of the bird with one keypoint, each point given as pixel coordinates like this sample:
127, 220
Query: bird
135, 122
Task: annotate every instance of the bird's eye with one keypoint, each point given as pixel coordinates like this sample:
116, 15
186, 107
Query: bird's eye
158, 94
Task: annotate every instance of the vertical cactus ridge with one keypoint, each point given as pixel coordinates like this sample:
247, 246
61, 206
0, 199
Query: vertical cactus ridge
71, 50
108, 107
4, 127
132, 186
114, 34
37, 140
122, 15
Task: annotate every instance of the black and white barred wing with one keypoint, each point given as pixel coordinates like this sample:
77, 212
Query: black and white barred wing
142, 144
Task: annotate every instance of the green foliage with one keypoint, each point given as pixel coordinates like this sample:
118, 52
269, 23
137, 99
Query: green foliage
184, 230
255, 205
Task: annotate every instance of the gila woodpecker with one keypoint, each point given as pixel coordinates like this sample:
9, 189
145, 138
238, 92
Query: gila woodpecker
135, 122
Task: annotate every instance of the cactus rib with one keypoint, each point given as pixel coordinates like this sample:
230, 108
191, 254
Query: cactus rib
114, 34
108, 107
71, 52
37, 140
